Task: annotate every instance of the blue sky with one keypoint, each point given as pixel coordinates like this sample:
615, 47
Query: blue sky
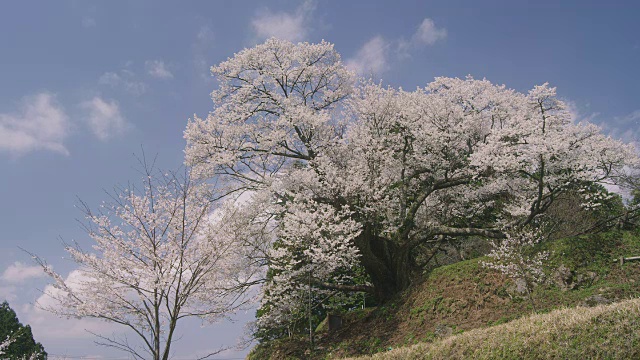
86, 84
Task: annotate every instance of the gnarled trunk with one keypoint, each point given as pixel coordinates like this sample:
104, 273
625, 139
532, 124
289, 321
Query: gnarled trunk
388, 264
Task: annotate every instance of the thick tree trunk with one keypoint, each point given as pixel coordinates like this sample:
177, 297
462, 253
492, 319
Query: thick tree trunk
388, 265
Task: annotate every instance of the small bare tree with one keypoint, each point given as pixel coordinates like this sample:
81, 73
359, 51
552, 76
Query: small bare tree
160, 255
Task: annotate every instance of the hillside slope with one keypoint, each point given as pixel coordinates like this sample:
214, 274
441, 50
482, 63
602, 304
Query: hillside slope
601, 332
463, 296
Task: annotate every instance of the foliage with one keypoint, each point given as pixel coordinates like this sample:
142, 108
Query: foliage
17, 339
160, 255
355, 175
582, 209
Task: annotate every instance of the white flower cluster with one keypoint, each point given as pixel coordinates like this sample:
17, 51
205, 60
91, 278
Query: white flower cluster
315, 244
513, 257
5, 344
10, 340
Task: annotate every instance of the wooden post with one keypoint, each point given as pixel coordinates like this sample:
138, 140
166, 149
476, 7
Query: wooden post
334, 321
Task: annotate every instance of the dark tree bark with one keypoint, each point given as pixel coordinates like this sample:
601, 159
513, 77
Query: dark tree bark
389, 265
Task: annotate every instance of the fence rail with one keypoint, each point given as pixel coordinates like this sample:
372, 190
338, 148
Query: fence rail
623, 259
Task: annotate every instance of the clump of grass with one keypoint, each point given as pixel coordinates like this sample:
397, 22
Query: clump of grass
601, 332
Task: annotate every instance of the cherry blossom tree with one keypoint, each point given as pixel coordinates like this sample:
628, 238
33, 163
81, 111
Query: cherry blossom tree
160, 255
355, 174
515, 257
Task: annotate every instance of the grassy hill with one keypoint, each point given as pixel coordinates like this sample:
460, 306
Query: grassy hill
455, 305
601, 332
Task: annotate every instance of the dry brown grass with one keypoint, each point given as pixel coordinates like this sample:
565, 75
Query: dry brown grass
602, 332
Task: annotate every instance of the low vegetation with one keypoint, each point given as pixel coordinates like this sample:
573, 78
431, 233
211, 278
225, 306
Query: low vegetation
601, 332
467, 301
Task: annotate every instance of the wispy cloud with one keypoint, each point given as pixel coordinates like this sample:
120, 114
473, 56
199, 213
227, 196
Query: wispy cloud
125, 79
205, 34
426, 34
158, 69
40, 124
626, 128
202, 47
104, 118
372, 58
578, 114
19, 272
292, 26
88, 22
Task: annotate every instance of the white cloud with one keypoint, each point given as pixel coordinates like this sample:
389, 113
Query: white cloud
74, 280
158, 69
104, 118
41, 124
88, 22
292, 26
48, 326
573, 110
125, 80
428, 33
372, 58
19, 272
